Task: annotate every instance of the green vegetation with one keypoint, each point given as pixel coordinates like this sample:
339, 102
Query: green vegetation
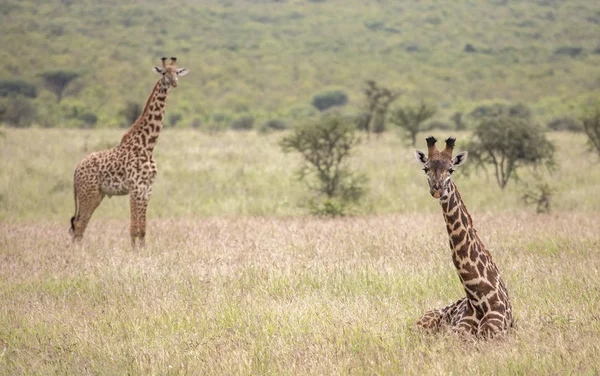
378, 100
266, 58
591, 126
328, 99
326, 146
507, 144
411, 119
233, 174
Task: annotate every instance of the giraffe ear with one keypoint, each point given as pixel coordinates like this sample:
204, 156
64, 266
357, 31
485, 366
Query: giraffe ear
182, 71
420, 156
459, 159
158, 70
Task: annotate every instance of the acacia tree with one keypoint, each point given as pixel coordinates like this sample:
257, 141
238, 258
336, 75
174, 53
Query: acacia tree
412, 118
57, 81
378, 101
591, 125
508, 143
325, 147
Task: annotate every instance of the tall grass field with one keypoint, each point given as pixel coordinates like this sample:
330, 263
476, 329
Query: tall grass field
237, 278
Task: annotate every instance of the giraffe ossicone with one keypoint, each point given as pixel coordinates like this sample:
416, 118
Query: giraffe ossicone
128, 168
486, 311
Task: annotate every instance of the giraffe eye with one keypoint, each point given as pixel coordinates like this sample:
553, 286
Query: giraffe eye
451, 170
426, 169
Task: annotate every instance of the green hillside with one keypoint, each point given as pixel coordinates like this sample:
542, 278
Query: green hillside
268, 58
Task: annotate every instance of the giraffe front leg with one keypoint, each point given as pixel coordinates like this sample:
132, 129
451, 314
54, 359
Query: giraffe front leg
431, 320
139, 203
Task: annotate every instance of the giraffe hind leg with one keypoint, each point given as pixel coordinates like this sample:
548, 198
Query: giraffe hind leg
87, 202
139, 204
437, 319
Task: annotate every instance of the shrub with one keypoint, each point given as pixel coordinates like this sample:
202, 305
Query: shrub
568, 51
174, 118
500, 109
328, 99
130, 113
17, 87
591, 126
509, 143
325, 146
438, 125
243, 123
458, 120
538, 194
17, 112
57, 81
411, 119
565, 124
275, 125
378, 101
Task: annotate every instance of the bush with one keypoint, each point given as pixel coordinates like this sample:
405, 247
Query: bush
378, 100
17, 112
17, 87
243, 123
174, 118
89, 119
325, 146
565, 124
538, 194
328, 99
500, 109
130, 113
591, 125
438, 125
458, 120
568, 51
411, 119
509, 143
274, 125
57, 81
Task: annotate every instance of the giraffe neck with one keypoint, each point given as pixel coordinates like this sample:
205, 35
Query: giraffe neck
144, 132
471, 259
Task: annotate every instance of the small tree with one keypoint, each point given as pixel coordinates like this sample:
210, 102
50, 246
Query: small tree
130, 113
17, 87
17, 112
539, 194
459, 121
57, 81
509, 143
591, 125
325, 100
378, 101
325, 147
412, 118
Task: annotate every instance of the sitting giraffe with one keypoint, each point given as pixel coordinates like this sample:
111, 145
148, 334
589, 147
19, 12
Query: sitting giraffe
486, 311
129, 168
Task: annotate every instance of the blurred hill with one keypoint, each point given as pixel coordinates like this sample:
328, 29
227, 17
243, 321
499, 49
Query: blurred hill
266, 59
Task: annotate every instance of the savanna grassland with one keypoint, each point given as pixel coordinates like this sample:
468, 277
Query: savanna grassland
236, 279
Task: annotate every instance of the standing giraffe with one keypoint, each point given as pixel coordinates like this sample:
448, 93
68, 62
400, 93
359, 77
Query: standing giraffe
485, 311
129, 168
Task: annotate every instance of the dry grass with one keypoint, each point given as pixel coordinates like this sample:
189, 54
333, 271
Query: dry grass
291, 296
219, 290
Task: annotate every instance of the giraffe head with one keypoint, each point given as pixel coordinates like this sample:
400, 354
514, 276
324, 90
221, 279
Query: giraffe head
439, 166
170, 72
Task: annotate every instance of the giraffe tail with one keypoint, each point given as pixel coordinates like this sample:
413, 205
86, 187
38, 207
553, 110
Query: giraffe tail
72, 229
